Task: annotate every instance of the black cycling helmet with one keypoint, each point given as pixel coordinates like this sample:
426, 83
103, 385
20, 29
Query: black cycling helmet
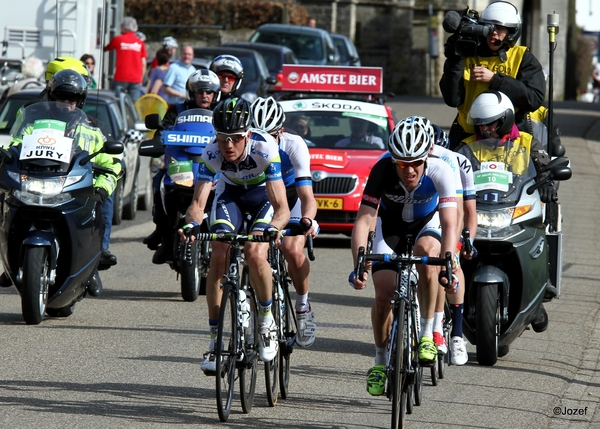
232, 115
68, 85
440, 137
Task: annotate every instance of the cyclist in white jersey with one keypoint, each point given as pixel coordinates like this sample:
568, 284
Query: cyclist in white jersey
250, 181
268, 115
410, 193
467, 211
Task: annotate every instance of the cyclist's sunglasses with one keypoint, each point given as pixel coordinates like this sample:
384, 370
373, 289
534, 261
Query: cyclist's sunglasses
406, 164
233, 137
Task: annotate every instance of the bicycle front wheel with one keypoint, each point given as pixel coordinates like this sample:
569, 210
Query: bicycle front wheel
272, 367
288, 330
226, 351
399, 394
248, 369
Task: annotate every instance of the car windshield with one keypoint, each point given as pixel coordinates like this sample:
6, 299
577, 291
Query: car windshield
9, 113
342, 49
306, 47
340, 130
272, 60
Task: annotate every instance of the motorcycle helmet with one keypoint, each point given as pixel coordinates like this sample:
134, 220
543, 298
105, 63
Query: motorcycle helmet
440, 137
170, 42
232, 115
231, 64
67, 63
490, 106
267, 115
68, 85
206, 80
411, 139
507, 15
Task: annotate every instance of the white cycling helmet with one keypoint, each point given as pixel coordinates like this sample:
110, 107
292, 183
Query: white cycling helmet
411, 139
507, 15
170, 42
231, 64
493, 106
267, 115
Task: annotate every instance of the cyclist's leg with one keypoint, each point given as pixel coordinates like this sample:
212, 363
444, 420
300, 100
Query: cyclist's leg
225, 217
458, 349
256, 202
438, 318
299, 271
428, 243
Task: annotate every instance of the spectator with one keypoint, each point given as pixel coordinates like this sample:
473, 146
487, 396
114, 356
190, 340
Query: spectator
32, 71
90, 62
130, 65
157, 75
596, 82
170, 44
177, 75
311, 21
360, 137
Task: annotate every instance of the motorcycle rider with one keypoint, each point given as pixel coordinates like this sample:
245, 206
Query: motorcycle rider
498, 64
413, 193
268, 116
230, 71
250, 181
70, 89
497, 138
203, 92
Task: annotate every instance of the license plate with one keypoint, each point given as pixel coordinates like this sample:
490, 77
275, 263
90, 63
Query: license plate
330, 203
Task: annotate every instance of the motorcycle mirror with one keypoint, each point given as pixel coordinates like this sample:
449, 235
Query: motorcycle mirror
152, 148
153, 122
112, 147
6, 155
558, 150
561, 172
533, 187
561, 161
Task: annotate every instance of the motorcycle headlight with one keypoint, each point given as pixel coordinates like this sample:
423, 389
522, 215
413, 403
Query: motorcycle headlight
44, 192
496, 224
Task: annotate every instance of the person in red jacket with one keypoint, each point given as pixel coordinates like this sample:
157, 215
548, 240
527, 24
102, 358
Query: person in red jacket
130, 65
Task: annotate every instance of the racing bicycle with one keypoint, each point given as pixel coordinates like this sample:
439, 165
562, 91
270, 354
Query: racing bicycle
404, 375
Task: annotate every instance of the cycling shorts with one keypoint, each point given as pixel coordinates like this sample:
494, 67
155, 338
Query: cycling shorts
231, 205
394, 241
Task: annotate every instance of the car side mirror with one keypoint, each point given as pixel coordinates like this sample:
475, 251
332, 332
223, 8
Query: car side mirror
271, 80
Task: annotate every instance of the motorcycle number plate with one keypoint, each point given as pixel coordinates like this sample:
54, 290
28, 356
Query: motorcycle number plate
492, 176
181, 173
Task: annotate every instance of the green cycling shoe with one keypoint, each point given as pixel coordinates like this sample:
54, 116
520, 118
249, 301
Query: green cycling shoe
427, 351
376, 380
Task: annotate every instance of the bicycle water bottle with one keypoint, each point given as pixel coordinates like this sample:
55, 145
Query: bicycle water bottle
281, 299
244, 309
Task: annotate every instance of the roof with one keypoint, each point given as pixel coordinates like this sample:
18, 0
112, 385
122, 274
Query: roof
259, 46
287, 28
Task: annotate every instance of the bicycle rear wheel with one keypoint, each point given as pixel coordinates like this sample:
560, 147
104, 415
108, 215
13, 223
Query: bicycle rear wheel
225, 352
398, 378
248, 367
272, 367
286, 346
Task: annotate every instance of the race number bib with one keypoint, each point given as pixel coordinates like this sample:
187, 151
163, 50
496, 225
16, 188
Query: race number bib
492, 175
47, 141
181, 173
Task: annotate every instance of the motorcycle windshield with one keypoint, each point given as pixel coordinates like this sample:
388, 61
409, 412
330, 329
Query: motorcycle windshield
193, 128
500, 169
48, 135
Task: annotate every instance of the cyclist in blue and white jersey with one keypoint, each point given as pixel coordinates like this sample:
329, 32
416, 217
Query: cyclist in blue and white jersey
409, 193
250, 181
467, 216
268, 115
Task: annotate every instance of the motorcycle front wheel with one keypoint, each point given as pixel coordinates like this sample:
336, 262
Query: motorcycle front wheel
34, 290
487, 317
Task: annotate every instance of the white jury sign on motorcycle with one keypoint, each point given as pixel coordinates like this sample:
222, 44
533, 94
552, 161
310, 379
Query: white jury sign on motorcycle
47, 141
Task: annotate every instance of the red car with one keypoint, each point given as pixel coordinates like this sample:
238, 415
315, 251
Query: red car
345, 132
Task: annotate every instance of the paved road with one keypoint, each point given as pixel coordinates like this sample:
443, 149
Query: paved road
130, 358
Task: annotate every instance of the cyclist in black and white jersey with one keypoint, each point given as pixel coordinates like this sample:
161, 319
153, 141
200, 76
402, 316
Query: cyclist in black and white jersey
409, 193
250, 181
268, 115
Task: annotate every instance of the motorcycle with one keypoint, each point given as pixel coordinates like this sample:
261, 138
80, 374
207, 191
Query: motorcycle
182, 146
50, 223
507, 280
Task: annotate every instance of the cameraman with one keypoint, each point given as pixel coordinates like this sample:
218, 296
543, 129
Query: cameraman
494, 62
